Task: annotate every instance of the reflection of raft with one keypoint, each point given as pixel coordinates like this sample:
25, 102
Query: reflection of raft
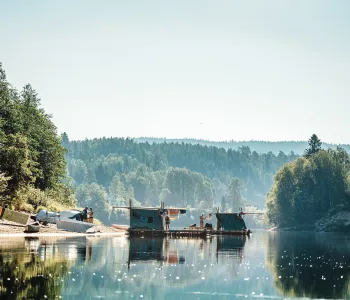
120, 227
187, 232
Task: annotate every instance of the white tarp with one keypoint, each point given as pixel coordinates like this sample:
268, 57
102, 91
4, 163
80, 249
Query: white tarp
52, 217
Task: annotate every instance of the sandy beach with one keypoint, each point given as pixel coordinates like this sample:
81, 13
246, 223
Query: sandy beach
8, 228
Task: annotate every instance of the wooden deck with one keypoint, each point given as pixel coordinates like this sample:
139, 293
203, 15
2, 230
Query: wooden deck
186, 232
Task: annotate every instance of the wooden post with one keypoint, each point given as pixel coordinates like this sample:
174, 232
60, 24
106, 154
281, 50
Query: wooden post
217, 219
130, 205
162, 207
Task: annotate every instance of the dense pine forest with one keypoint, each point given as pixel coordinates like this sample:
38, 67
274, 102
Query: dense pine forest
180, 174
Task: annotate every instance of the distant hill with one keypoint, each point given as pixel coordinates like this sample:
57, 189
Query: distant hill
297, 147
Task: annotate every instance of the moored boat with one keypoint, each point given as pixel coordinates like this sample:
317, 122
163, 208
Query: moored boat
73, 225
32, 228
120, 227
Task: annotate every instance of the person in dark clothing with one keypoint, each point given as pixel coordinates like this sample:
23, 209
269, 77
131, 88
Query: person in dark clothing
85, 214
167, 222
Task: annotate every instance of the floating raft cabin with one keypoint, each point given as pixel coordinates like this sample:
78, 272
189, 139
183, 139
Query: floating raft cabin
149, 221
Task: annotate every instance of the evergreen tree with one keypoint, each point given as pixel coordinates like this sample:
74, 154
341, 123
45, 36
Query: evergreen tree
314, 145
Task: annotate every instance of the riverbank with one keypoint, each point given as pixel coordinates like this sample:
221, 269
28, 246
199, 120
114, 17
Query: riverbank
8, 228
334, 221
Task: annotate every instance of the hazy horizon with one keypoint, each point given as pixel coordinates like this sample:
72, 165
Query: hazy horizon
228, 70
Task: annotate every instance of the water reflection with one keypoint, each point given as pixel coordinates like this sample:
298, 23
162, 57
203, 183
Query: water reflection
310, 265
154, 249
24, 275
267, 265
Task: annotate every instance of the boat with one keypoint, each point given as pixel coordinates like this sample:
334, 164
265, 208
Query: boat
32, 228
73, 225
120, 227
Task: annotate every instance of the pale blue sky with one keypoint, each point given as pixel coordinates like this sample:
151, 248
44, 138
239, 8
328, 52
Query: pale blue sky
218, 70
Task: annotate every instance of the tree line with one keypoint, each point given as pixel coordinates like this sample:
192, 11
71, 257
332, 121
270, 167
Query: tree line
114, 170
297, 147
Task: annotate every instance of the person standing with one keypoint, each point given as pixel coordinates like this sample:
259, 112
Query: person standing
167, 222
91, 215
201, 221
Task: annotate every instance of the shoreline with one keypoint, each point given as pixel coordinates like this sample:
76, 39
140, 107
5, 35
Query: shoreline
62, 234
12, 229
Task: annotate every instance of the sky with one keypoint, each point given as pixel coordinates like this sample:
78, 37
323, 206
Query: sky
218, 70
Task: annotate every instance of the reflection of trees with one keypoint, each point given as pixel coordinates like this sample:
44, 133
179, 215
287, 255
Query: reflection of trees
25, 276
309, 265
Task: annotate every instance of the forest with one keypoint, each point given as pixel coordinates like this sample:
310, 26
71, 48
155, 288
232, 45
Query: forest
114, 170
309, 188
32, 162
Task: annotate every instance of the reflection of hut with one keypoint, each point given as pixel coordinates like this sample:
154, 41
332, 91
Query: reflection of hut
141, 249
171, 253
230, 246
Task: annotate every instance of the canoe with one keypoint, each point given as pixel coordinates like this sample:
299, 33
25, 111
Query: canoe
121, 227
73, 225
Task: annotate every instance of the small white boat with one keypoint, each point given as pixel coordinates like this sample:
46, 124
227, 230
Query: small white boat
120, 227
73, 225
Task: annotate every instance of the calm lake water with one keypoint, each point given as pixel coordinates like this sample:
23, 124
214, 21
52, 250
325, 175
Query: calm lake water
268, 265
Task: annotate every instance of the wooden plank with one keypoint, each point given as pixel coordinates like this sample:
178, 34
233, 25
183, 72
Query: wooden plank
15, 216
